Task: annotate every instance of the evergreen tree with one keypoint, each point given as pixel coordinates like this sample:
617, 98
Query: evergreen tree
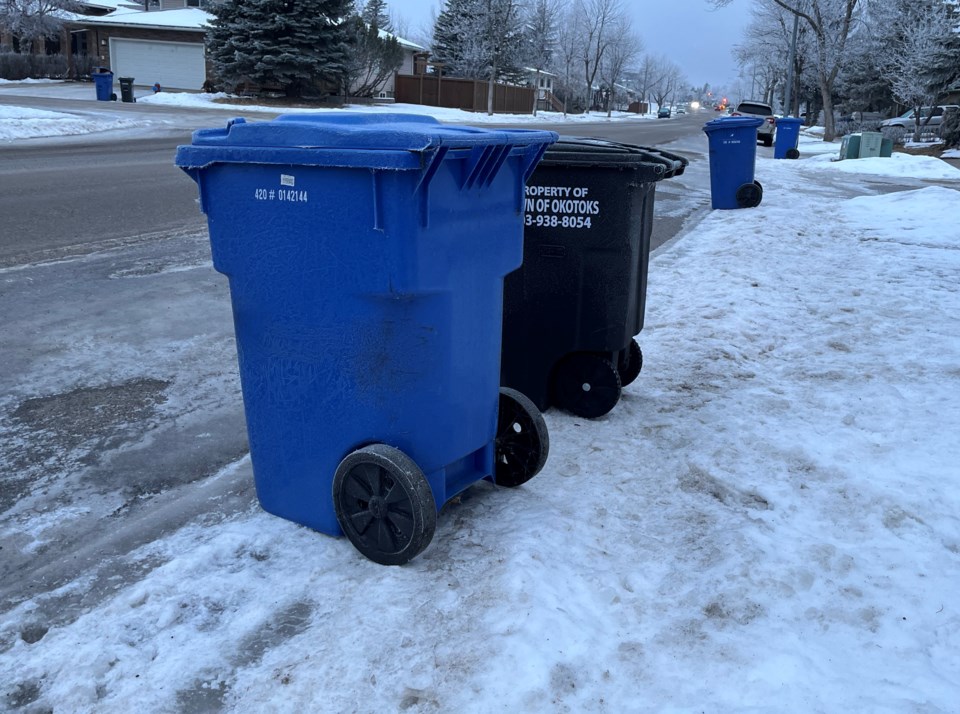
375, 13
448, 35
291, 45
479, 39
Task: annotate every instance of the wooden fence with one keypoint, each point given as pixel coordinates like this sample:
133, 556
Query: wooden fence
455, 93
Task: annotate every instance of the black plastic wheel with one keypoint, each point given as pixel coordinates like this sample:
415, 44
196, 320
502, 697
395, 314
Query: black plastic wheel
629, 363
384, 504
793, 154
522, 443
586, 384
749, 195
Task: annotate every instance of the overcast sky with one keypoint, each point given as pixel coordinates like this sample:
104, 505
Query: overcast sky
696, 37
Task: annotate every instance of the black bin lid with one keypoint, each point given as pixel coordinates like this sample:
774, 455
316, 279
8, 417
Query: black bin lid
581, 152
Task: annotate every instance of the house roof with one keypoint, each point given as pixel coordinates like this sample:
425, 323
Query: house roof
405, 44
189, 19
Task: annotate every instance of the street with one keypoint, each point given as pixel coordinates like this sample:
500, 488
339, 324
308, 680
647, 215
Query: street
69, 197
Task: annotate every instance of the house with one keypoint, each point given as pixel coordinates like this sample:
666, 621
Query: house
542, 82
163, 43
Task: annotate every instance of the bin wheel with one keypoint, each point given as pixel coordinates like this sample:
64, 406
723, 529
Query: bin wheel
522, 443
749, 195
586, 384
384, 504
793, 154
629, 363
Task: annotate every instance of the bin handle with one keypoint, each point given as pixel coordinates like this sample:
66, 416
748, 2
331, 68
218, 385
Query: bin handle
423, 185
478, 158
535, 152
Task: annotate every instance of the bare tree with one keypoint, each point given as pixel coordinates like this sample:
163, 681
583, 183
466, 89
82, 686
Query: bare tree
830, 22
624, 48
596, 21
669, 78
35, 19
568, 51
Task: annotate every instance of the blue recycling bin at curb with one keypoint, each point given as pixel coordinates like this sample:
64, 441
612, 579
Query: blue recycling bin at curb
103, 84
788, 136
733, 156
366, 257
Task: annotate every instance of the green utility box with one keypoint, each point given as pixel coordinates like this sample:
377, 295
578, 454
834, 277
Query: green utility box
850, 147
886, 148
870, 142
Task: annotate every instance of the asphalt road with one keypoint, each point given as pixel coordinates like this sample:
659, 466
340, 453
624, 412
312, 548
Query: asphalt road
75, 196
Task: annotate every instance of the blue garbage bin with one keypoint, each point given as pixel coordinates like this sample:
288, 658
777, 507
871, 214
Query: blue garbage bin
366, 257
733, 155
103, 83
788, 136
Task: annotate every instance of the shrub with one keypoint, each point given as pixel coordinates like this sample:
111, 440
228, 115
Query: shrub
950, 128
14, 65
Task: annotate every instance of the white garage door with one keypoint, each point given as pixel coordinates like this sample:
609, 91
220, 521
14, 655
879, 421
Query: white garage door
175, 65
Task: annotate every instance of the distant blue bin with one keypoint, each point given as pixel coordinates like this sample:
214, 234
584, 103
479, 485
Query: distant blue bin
733, 155
788, 136
103, 83
366, 257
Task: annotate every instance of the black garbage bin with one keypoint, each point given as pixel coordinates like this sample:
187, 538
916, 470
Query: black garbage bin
126, 89
570, 312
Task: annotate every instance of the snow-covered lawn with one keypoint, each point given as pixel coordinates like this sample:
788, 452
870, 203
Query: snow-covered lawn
29, 123
768, 521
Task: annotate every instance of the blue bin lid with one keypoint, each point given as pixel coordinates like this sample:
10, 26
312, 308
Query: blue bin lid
344, 139
724, 123
789, 120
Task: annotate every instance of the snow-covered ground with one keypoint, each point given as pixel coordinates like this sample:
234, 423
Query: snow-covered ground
768, 521
27, 123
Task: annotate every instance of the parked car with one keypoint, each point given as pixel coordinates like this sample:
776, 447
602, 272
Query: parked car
664, 113
759, 110
907, 120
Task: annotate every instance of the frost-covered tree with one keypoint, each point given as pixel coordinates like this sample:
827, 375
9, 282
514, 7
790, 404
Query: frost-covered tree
31, 20
540, 38
564, 60
919, 30
624, 48
481, 39
474, 38
830, 23
375, 55
293, 45
670, 78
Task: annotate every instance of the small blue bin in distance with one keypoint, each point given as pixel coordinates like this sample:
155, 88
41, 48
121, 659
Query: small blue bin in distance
366, 257
733, 155
788, 136
103, 83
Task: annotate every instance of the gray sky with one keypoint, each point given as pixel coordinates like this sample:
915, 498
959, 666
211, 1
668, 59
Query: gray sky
696, 37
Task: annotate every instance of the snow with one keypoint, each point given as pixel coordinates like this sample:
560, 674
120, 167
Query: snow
188, 19
951, 154
222, 100
768, 521
26, 123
